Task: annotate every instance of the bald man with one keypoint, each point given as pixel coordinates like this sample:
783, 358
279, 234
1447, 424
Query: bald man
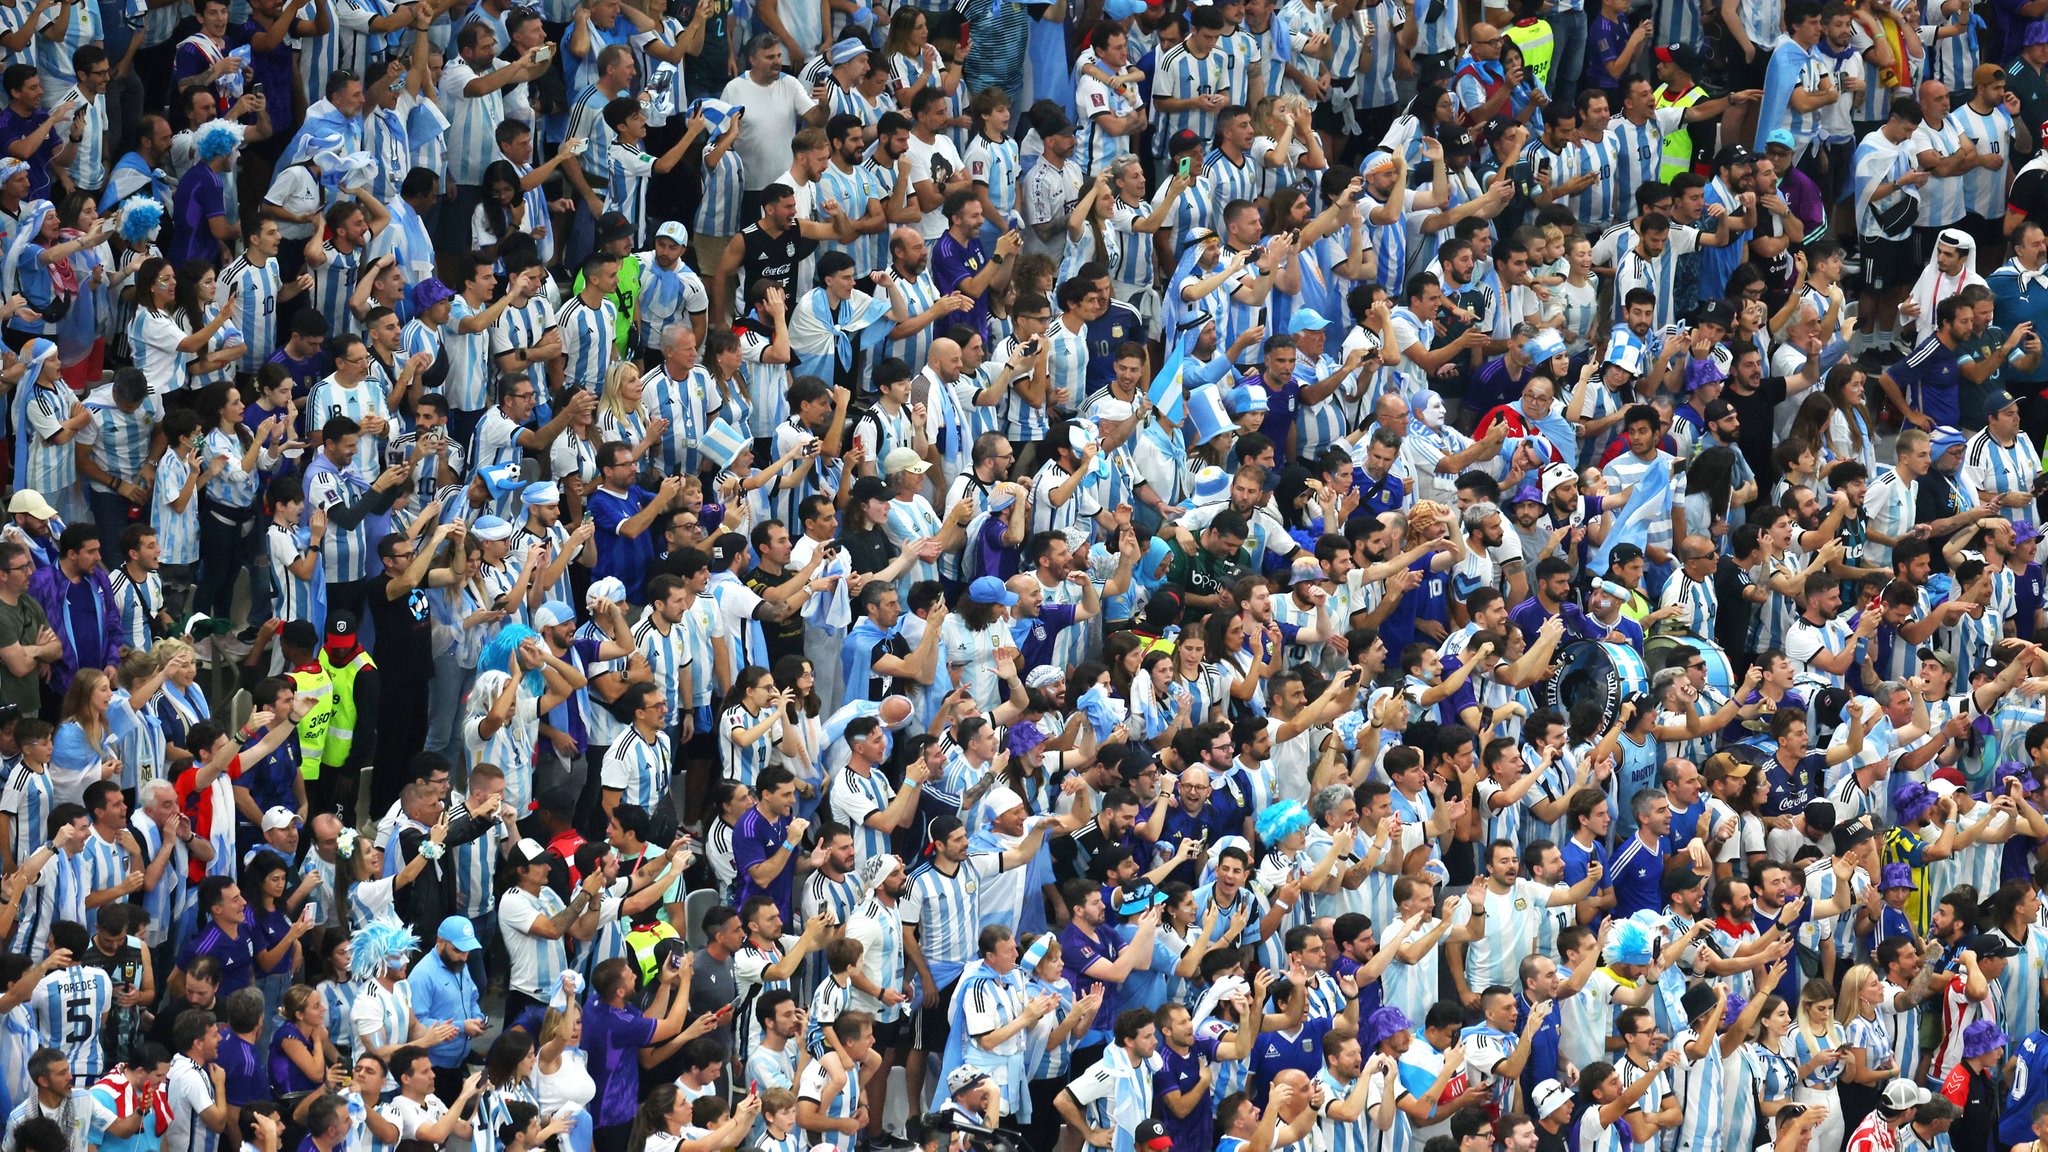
1483, 86
911, 262
1049, 620
1940, 148
948, 417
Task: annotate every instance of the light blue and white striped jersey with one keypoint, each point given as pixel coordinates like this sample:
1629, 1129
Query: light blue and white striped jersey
347, 554
919, 294
294, 597
467, 386
1942, 197
851, 190
177, 531
1342, 1135
588, 348
718, 209
1241, 179
138, 604
57, 894
994, 165
166, 899
190, 1092
843, 1104
120, 442
629, 169
537, 964
744, 763
254, 288
70, 1005
88, 167
1991, 467
1953, 59
946, 910
27, 799
1182, 75
871, 252
472, 120
854, 797
668, 653
1600, 204
330, 398
1391, 241
1639, 148
640, 768
52, 467
333, 282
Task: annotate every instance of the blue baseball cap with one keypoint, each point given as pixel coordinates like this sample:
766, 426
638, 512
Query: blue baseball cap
456, 930
990, 590
1307, 320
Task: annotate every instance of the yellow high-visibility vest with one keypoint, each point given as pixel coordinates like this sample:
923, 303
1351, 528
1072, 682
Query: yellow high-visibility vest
1533, 37
1677, 143
341, 731
318, 685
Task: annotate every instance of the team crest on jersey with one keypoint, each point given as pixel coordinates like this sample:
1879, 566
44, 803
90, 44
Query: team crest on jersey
1521, 904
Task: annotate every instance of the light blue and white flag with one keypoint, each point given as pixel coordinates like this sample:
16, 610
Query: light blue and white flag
1651, 499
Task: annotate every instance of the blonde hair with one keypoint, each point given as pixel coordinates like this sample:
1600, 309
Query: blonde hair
1849, 1003
554, 1024
170, 648
614, 386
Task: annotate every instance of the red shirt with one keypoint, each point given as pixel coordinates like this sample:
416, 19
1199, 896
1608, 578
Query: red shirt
192, 799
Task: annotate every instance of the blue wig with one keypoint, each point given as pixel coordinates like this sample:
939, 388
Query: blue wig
502, 651
216, 139
378, 946
140, 217
1280, 821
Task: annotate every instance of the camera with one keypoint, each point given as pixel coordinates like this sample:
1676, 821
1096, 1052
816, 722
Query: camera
948, 1128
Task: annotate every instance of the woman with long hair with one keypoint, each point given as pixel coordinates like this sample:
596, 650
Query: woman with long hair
1431, 107
752, 722
910, 57
181, 703
561, 1076
1092, 235
618, 412
1206, 684
301, 1050
273, 913
1764, 1074
1810, 424
1245, 661
39, 268
1817, 1047
337, 987
572, 458
970, 637
1042, 965
1122, 653
228, 540
1287, 149
86, 750
160, 341
1159, 705
1869, 1058
728, 800
1851, 428
804, 756
508, 1079
1709, 493
500, 212
82, 333
369, 893
216, 363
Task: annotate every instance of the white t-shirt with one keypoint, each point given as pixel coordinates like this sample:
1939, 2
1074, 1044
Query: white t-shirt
938, 162
774, 115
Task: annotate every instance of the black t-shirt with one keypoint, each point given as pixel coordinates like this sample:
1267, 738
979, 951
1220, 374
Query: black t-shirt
784, 637
1754, 438
773, 257
1731, 622
869, 551
405, 631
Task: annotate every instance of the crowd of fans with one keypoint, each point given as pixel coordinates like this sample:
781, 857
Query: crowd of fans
1325, 576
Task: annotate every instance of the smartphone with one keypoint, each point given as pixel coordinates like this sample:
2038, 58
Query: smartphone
675, 959
1185, 166
255, 87
394, 455
547, 52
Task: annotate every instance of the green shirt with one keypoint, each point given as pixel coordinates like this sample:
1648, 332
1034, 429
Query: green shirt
21, 624
1201, 574
625, 296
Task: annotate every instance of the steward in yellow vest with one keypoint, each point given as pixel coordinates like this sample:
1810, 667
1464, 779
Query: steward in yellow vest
1675, 89
343, 680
